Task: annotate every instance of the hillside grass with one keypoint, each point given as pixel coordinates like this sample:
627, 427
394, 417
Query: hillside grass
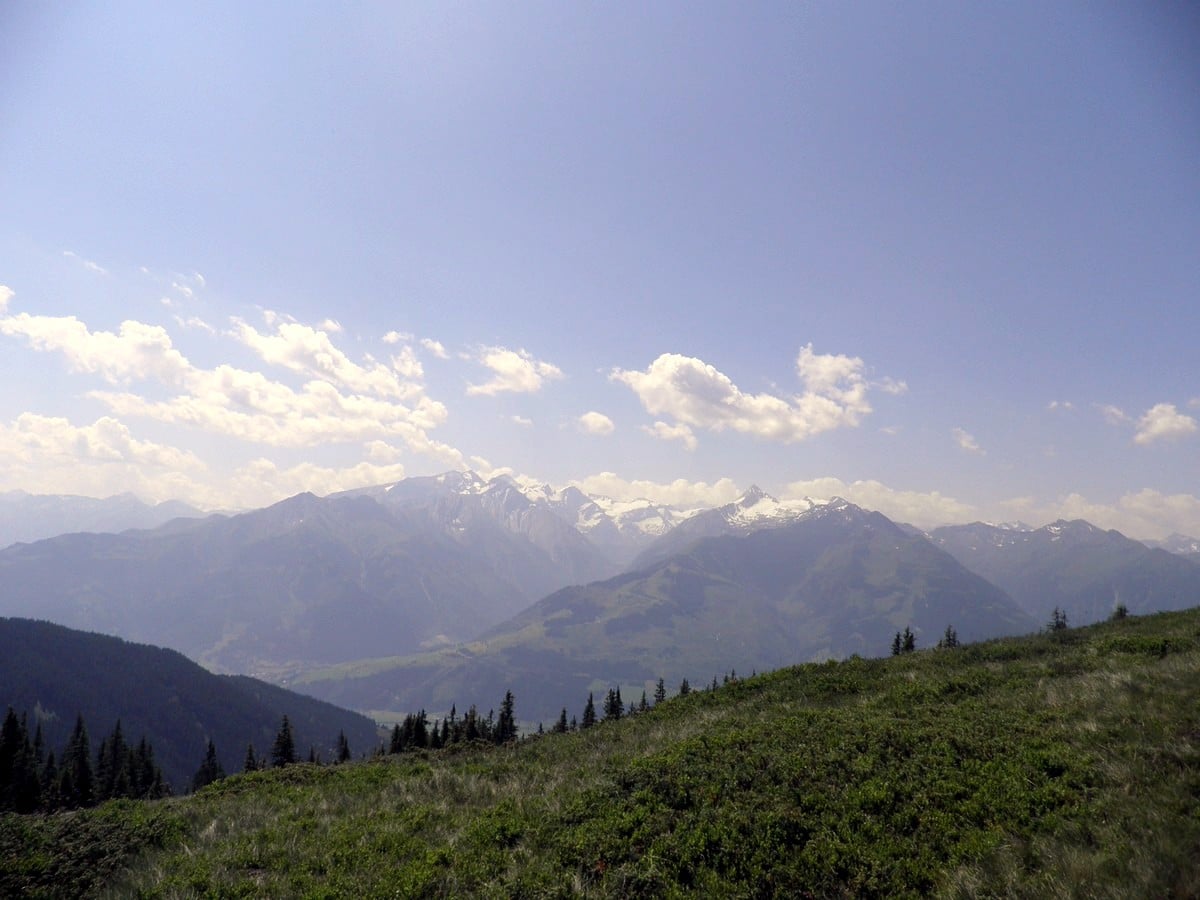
1063, 765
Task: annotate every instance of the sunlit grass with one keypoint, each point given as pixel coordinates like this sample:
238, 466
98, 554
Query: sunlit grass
1045, 766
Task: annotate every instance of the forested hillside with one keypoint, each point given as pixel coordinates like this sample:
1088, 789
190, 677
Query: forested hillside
55, 674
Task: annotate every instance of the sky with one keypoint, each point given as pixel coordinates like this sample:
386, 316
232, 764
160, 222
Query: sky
940, 258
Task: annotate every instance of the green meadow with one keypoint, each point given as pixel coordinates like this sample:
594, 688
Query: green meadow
1062, 764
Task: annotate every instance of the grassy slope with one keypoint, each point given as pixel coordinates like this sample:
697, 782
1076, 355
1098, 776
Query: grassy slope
1040, 766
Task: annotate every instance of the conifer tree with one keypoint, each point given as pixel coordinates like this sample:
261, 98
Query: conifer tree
897, 645
684, 688
343, 748
283, 752
660, 692
251, 762
75, 786
910, 640
950, 639
561, 726
643, 705
210, 769
506, 726
589, 713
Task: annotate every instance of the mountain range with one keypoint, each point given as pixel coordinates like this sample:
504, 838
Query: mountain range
833, 581
1084, 571
447, 589
32, 517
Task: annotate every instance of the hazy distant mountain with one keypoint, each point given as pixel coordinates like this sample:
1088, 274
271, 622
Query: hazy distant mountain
1075, 566
1180, 544
32, 517
755, 509
835, 581
54, 673
305, 581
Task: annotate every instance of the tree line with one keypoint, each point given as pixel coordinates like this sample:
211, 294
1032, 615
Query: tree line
34, 779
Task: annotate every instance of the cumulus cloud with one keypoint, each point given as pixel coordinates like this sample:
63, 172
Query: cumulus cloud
262, 482
926, 509
665, 432
310, 351
6, 294
1144, 514
48, 454
694, 393
396, 337
891, 386
1113, 415
966, 442
514, 371
136, 351
194, 322
338, 401
595, 423
681, 492
435, 348
1163, 422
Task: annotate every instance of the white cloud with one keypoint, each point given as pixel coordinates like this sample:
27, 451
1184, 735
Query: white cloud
665, 432
1147, 513
86, 263
1163, 422
966, 441
194, 322
262, 482
695, 393
522, 421
396, 337
595, 423
310, 351
1060, 404
330, 326
891, 386
435, 348
6, 294
340, 402
926, 509
45, 454
137, 351
681, 492
1113, 415
515, 371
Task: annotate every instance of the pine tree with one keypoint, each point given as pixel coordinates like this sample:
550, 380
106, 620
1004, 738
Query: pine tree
684, 688
75, 786
506, 727
660, 692
251, 762
343, 748
561, 726
589, 713
1058, 620
643, 705
896, 645
283, 752
910, 640
950, 639
210, 769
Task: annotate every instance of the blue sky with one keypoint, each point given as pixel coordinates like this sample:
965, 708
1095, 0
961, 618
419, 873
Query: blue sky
940, 258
